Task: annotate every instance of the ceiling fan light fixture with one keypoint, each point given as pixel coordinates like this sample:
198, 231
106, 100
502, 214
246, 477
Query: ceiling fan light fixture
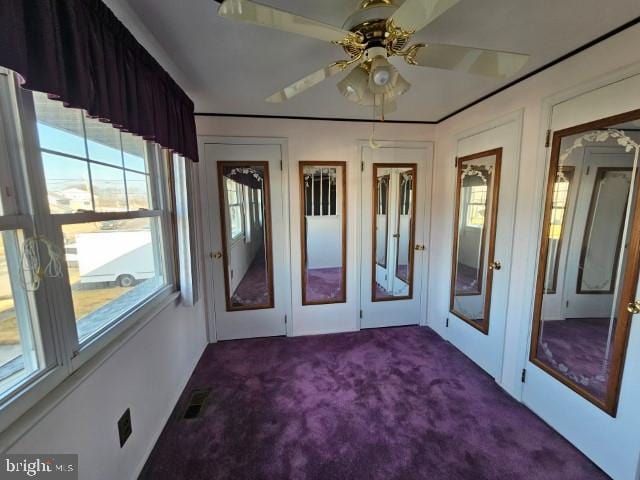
355, 85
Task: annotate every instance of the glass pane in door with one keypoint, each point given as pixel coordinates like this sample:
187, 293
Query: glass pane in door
474, 237
323, 232
589, 258
393, 233
246, 234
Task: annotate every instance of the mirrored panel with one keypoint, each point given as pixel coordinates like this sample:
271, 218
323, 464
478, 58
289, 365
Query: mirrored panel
393, 233
588, 267
245, 216
477, 193
323, 226
382, 219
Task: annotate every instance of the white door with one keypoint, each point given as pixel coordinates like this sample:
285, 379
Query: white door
584, 363
245, 191
396, 194
481, 251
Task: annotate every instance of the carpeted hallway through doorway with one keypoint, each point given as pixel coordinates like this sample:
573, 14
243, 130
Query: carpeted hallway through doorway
397, 403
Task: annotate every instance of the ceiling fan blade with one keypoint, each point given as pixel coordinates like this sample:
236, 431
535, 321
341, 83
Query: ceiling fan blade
491, 63
307, 82
414, 15
262, 15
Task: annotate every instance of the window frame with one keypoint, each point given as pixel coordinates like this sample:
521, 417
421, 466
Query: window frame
28, 210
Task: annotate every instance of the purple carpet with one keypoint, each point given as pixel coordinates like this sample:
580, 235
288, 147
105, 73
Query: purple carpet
576, 348
379, 404
467, 280
324, 284
253, 288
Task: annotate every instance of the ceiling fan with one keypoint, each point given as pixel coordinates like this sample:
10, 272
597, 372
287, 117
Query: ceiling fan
377, 30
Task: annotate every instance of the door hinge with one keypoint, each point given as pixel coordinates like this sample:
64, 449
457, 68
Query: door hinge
285, 319
8, 192
566, 304
281, 165
360, 313
523, 378
588, 170
455, 163
446, 324
547, 140
362, 166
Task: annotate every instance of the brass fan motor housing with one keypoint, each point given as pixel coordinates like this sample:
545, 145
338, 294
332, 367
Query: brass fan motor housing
377, 32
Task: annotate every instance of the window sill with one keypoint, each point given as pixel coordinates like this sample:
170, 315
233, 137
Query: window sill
26, 409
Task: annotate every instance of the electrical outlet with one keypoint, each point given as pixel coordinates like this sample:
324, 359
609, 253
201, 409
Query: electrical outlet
124, 427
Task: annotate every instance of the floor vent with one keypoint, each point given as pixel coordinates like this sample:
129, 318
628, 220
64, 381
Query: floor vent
197, 402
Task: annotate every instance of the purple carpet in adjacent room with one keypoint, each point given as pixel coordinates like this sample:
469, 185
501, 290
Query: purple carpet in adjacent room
253, 289
373, 405
324, 284
576, 347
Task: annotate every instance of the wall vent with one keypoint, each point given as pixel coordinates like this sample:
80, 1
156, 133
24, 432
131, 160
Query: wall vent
197, 403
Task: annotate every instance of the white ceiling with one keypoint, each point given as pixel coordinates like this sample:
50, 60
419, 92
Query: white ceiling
230, 67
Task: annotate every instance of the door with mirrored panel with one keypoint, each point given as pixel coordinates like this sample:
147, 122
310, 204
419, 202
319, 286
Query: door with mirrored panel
395, 189
589, 258
483, 218
249, 263
473, 263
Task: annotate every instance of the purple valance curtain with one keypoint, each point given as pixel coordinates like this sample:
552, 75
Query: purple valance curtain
79, 52
251, 177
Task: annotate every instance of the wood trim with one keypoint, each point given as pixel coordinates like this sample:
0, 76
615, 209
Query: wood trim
412, 239
386, 228
629, 283
303, 237
266, 206
569, 173
490, 232
600, 173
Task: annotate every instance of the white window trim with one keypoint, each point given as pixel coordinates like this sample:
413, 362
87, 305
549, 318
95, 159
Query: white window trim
62, 353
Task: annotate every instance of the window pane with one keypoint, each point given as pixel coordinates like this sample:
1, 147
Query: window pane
235, 217
18, 357
103, 142
108, 188
67, 183
133, 148
113, 267
137, 190
59, 128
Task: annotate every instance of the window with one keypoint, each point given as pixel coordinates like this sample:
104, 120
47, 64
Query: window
235, 198
320, 193
78, 188
19, 353
98, 190
476, 206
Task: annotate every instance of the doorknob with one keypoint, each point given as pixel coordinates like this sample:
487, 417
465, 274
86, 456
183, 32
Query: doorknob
495, 265
634, 307
215, 255
420, 247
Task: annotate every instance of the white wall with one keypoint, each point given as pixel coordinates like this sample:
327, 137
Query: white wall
319, 141
147, 375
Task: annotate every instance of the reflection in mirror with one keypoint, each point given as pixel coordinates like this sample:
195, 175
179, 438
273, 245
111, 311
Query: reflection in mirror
382, 220
404, 225
561, 191
394, 197
589, 258
478, 181
244, 212
323, 232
